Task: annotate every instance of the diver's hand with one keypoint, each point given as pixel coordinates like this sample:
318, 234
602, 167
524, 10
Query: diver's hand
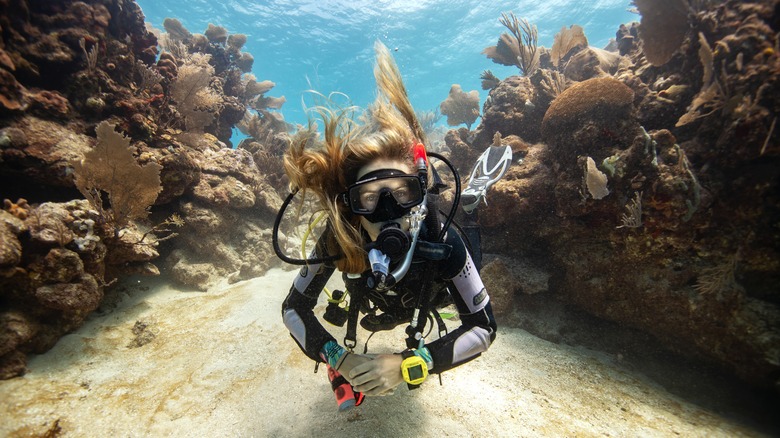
351, 361
379, 376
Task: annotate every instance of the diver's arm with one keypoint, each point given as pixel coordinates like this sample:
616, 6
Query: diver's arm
478, 327
465, 343
298, 313
305, 327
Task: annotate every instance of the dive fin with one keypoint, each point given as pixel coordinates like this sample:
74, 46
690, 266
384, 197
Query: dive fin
490, 167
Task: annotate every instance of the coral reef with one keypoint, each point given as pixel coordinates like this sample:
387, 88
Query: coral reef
645, 188
89, 110
650, 192
205, 80
223, 213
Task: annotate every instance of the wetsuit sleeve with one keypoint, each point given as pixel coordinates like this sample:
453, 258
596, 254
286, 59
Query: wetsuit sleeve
478, 327
298, 309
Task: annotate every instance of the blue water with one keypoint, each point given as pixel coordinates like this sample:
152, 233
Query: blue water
327, 45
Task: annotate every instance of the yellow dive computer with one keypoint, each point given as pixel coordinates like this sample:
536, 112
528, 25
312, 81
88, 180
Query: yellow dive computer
413, 368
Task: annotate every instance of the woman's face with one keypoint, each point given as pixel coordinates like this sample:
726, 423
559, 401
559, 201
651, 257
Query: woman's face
373, 228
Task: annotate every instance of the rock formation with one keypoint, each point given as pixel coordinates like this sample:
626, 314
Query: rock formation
78, 76
683, 245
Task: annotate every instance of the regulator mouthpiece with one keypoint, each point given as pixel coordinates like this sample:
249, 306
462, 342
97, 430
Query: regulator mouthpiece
393, 241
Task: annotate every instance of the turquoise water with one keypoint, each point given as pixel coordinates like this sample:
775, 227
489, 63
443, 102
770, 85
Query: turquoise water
328, 44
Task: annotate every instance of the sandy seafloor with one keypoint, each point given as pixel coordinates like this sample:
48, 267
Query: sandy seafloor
221, 363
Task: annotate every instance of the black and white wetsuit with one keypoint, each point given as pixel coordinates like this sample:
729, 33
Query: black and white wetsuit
456, 273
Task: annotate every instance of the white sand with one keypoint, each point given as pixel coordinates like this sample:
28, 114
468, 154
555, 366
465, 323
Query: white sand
223, 364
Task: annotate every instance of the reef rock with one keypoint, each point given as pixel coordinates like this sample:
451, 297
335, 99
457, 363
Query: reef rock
41, 150
130, 252
653, 199
51, 281
49, 224
221, 243
506, 277
16, 329
224, 192
60, 265
10, 247
179, 171
229, 162
268, 156
198, 275
67, 67
221, 212
511, 109
462, 154
525, 191
78, 298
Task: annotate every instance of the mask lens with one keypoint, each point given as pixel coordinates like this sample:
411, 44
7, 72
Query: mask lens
364, 197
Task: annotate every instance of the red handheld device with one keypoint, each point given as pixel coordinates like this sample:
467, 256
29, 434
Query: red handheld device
345, 396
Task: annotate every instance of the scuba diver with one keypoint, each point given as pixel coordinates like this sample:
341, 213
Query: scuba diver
399, 262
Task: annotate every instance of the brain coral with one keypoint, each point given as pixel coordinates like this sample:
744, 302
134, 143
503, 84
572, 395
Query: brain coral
589, 116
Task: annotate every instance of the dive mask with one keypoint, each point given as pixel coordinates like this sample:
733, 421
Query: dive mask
384, 195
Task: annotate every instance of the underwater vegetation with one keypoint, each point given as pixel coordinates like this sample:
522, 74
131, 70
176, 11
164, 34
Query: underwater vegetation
645, 188
461, 107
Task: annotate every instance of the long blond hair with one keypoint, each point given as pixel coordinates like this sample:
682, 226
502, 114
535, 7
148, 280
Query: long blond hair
326, 167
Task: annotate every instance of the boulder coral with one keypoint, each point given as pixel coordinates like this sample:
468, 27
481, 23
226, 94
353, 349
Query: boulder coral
590, 117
